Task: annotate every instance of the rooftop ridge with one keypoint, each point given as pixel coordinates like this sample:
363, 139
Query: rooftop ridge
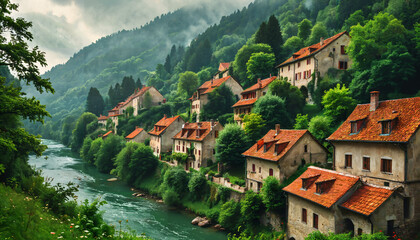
334, 172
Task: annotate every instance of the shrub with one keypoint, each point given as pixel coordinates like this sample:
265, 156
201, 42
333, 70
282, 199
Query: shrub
230, 214
170, 197
93, 150
223, 194
177, 179
142, 163
197, 185
272, 195
251, 208
213, 214
105, 157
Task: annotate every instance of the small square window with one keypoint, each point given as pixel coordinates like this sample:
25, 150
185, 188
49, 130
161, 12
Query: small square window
366, 163
386, 127
271, 172
386, 165
348, 161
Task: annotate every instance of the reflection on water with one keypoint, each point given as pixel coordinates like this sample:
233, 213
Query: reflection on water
143, 215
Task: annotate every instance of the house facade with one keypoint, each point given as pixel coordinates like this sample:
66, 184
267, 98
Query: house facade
380, 142
248, 97
279, 153
162, 133
328, 201
198, 140
200, 97
138, 135
136, 100
317, 58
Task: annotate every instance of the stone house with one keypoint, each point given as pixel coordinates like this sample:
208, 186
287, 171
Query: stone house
102, 120
162, 133
279, 153
138, 135
200, 97
136, 100
380, 142
248, 97
317, 58
328, 201
223, 71
198, 139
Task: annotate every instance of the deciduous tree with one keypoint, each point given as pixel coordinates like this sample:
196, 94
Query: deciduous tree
230, 145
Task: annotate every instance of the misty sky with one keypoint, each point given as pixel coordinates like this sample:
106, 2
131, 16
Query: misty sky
62, 27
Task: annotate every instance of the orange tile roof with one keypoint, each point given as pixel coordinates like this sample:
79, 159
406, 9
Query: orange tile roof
340, 185
137, 92
106, 134
101, 117
245, 102
367, 199
210, 85
257, 86
306, 51
133, 134
223, 66
162, 124
406, 112
189, 131
285, 140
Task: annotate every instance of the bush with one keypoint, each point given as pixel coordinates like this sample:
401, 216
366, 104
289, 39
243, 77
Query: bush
170, 197
223, 194
230, 214
93, 150
251, 208
142, 163
213, 214
197, 186
177, 179
90, 219
105, 157
272, 195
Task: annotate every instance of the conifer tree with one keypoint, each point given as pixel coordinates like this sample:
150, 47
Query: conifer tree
270, 33
127, 86
95, 103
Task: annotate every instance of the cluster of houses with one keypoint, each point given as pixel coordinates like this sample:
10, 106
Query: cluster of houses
373, 184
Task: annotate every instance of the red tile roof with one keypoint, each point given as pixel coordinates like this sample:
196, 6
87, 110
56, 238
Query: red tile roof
278, 145
133, 134
137, 92
257, 86
101, 117
311, 50
406, 112
106, 134
223, 66
162, 124
245, 102
189, 131
367, 199
339, 184
210, 85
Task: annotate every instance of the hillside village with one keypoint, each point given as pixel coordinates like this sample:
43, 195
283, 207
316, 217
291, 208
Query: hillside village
371, 183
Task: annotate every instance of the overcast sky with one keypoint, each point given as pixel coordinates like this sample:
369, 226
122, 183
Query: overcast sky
62, 27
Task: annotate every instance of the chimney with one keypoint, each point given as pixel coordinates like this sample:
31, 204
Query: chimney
164, 116
137, 127
321, 41
374, 100
211, 123
277, 129
259, 83
212, 81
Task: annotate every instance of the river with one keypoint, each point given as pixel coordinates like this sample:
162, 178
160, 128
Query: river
154, 219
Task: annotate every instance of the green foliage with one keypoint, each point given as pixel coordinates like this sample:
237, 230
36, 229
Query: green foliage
187, 83
198, 56
272, 196
254, 126
147, 101
269, 33
316, 235
251, 209
181, 158
93, 150
294, 99
301, 122
123, 159
273, 110
94, 102
220, 102
320, 127
198, 185
80, 132
293, 44
338, 103
260, 65
242, 58
177, 179
170, 197
319, 30
230, 215
230, 145
90, 219
354, 19
110, 147
84, 151
142, 163
304, 29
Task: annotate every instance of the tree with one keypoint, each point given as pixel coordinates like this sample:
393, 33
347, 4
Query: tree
230, 145
254, 126
304, 29
122, 161
127, 86
200, 56
93, 150
270, 33
95, 103
220, 102
105, 158
293, 44
294, 99
301, 122
187, 83
272, 195
142, 163
338, 103
320, 127
147, 101
80, 132
251, 209
260, 65
261, 36
273, 110
15, 142
354, 19
198, 185
318, 31
177, 179
241, 59
230, 214
84, 151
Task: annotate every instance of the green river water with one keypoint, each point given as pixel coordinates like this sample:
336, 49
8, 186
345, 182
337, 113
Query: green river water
154, 219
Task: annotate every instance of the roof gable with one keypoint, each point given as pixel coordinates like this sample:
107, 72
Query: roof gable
162, 125
195, 131
260, 84
209, 86
405, 112
134, 133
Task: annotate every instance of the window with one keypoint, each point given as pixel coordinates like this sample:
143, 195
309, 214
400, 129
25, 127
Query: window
354, 127
289, 68
298, 64
386, 184
259, 170
315, 220
406, 208
359, 231
386, 127
270, 172
348, 161
253, 167
308, 61
366, 163
304, 215
342, 65
199, 152
305, 148
343, 51
214, 151
386, 165
304, 75
216, 134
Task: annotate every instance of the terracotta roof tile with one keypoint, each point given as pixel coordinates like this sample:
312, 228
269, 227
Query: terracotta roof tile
285, 140
189, 131
162, 124
340, 184
101, 117
133, 134
223, 66
210, 85
406, 112
137, 92
257, 86
245, 102
308, 51
367, 199
106, 134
